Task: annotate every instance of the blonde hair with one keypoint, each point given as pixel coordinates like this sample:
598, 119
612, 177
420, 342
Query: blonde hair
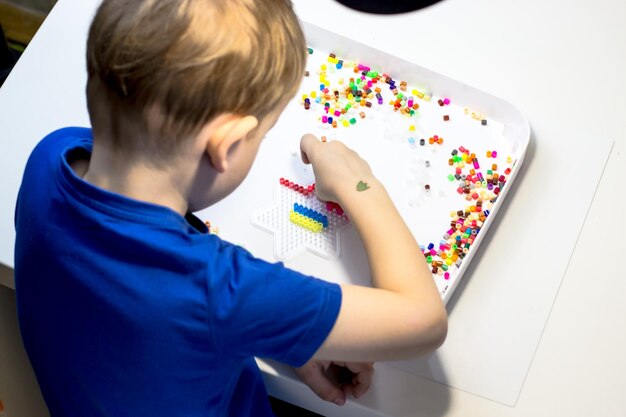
159, 70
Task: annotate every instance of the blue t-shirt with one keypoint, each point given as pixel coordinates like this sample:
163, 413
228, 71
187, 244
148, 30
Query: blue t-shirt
127, 308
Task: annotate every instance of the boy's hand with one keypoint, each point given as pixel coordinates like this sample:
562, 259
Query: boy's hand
339, 171
334, 381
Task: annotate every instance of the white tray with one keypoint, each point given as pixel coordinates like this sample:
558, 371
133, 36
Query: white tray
382, 138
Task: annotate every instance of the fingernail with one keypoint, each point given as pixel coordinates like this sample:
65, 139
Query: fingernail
340, 401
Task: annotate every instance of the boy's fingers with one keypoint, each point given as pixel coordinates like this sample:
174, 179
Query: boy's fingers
314, 375
324, 388
307, 144
362, 380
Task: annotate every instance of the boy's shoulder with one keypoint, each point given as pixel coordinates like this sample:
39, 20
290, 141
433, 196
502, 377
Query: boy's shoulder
66, 135
55, 142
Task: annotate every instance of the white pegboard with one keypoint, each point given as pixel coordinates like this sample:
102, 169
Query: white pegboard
291, 239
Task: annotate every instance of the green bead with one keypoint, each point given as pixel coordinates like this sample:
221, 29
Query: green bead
352, 121
429, 259
444, 267
310, 50
451, 177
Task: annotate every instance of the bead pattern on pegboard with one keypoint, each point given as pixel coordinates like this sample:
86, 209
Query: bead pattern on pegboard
291, 238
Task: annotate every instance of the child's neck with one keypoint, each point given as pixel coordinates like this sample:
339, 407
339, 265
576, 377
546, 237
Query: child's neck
166, 186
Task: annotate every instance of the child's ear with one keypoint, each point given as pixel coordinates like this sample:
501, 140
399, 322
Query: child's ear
227, 132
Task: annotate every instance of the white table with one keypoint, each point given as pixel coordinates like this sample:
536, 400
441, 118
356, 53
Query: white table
562, 63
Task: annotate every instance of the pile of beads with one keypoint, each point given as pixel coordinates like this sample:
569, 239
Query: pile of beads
482, 190
474, 184
304, 190
308, 218
456, 241
363, 90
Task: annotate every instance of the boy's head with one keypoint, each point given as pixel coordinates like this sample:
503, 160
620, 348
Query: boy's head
160, 70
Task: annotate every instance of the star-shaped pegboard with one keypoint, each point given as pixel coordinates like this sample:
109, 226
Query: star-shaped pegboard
291, 239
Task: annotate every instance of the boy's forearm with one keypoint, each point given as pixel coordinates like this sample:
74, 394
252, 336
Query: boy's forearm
396, 261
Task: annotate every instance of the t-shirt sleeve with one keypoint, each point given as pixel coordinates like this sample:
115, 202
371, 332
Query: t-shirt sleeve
257, 308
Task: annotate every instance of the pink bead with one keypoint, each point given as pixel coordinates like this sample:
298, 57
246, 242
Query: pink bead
446, 275
494, 154
446, 101
324, 119
337, 113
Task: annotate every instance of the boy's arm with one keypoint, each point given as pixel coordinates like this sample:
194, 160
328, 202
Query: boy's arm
402, 316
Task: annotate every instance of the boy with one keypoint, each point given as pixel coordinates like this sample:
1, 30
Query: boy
127, 306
